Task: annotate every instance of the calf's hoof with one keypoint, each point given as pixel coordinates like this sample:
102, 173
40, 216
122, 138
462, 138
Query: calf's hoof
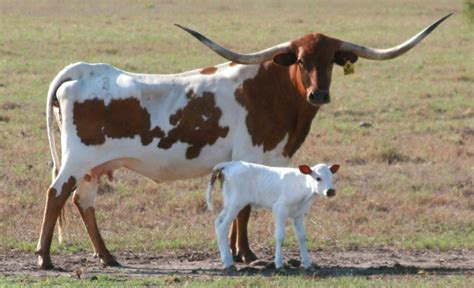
230, 270
281, 271
310, 270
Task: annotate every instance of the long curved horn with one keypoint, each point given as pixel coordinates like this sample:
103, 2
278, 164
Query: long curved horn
390, 53
254, 58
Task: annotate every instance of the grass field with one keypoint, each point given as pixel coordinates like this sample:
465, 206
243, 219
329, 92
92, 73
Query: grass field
406, 181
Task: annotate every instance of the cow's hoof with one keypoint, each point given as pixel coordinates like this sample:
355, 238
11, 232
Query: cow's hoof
44, 262
110, 262
46, 266
237, 258
281, 271
248, 257
259, 262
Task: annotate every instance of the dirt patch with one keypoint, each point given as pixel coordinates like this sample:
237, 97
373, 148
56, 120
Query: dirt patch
204, 264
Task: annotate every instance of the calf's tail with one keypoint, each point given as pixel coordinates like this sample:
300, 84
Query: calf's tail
216, 175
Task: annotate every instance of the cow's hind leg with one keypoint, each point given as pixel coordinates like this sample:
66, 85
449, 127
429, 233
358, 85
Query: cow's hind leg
84, 199
244, 253
56, 196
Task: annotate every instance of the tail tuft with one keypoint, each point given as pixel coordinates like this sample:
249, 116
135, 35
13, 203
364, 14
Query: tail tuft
216, 175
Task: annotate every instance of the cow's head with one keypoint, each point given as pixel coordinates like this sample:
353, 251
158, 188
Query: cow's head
312, 57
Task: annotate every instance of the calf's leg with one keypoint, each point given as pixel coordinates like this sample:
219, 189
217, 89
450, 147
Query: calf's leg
280, 223
84, 199
301, 235
222, 226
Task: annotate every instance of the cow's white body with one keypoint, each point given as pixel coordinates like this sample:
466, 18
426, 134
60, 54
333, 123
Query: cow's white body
162, 96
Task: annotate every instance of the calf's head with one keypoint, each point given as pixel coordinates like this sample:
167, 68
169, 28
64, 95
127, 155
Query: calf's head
322, 175
310, 59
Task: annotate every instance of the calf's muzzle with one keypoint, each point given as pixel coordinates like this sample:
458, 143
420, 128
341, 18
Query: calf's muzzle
331, 192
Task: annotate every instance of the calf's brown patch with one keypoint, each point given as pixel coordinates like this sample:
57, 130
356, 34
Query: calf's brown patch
122, 118
196, 124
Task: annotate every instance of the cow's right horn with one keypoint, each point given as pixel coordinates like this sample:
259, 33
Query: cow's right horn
254, 58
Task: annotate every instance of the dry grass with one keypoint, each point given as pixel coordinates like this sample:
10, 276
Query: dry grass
406, 181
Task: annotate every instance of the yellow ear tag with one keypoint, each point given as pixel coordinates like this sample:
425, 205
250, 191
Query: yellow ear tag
348, 68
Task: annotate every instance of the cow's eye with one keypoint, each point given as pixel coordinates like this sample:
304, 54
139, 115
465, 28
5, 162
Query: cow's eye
318, 179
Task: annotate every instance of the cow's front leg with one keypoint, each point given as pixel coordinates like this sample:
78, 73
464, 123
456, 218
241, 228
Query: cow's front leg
243, 250
56, 196
84, 199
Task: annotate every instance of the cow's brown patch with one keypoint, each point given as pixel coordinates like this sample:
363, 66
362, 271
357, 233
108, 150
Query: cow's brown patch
196, 124
209, 70
69, 185
276, 107
232, 63
51, 192
122, 118
190, 94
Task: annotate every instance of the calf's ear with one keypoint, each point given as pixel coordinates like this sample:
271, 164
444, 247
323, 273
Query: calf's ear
305, 169
334, 168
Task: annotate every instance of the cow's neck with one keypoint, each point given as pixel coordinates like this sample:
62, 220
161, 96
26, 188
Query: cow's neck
276, 108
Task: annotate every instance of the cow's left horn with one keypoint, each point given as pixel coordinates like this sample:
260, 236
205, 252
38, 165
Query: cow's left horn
253, 58
385, 54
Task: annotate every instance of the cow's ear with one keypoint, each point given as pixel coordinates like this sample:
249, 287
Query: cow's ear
341, 57
305, 169
334, 168
285, 59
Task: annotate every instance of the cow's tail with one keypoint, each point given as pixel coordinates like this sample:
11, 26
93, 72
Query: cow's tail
217, 174
67, 74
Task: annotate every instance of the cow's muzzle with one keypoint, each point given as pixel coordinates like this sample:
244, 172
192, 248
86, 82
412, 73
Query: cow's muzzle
319, 97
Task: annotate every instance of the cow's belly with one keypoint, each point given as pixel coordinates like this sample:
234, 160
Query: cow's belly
155, 163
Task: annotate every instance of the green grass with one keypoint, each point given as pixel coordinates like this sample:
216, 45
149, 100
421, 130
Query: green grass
244, 281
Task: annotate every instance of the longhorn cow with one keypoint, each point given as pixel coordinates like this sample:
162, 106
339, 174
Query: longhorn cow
256, 108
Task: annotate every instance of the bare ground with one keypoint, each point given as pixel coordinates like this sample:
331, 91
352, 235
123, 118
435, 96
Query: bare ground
203, 265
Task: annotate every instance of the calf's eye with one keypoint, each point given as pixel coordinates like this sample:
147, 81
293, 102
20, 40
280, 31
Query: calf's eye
318, 179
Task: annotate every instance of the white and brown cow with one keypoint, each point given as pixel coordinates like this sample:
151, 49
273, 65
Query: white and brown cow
169, 127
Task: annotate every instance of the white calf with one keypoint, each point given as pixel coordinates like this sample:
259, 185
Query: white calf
287, 191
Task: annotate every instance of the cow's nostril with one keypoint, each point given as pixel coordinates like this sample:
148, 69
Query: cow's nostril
331, 193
